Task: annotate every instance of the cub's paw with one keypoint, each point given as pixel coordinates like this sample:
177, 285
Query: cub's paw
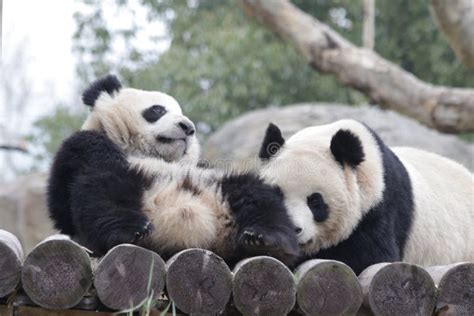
279, 243
251, 238
128, 233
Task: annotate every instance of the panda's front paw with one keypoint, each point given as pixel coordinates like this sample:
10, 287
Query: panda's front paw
251, 238
279, 243
143, 232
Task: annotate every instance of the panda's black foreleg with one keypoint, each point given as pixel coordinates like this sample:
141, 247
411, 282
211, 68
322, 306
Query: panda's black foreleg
107, 209
82, 150
264, 227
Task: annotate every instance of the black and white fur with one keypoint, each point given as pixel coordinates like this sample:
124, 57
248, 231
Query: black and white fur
168, 207
356, 200
130, 177
141, 123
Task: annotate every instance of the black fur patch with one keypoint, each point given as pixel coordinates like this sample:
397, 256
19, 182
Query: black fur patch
382, 233
107, 208
84, 149
264, 227
347, 148
109, 84
317, 206
92, 194
272, 142
154, 113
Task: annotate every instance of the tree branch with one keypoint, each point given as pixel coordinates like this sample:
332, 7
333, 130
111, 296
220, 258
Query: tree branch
455, 18
444, 108
14, 148
368, 27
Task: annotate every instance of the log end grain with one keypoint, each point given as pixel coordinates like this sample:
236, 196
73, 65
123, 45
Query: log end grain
263, 286
123, 277
327, 287
57, 273
198, 282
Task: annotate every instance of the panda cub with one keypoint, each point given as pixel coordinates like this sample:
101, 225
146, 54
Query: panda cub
141, 123
356, 200
117, 191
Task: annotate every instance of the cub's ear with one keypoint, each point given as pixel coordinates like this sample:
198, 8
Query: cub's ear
347, 148
109, 84
272, 142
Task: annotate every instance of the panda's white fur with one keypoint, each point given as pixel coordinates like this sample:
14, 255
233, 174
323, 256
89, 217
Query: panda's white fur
186, 207
443, 192
119, 116
443, 224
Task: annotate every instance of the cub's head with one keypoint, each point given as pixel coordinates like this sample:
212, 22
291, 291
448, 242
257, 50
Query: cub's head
330, 176
142, 123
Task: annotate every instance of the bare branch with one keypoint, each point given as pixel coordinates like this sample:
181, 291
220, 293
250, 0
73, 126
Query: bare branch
444, 108
455, 18
368, 27
14, 148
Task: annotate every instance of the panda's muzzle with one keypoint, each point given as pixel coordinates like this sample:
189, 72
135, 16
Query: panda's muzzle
168, 140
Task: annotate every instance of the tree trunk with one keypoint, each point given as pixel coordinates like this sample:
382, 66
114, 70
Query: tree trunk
455, 18
443, 108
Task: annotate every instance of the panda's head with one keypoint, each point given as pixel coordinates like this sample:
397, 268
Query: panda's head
142, 123
330, 175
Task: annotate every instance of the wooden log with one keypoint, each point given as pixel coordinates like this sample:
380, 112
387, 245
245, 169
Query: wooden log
455, 288
128, 275
57, 273
327, 287
11, 258
198, 281
398, 289
263, 286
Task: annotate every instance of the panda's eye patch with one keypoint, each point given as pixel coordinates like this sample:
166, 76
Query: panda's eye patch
154, 113
317, 206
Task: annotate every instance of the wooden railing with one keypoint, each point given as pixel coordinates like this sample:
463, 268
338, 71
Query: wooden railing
59, 275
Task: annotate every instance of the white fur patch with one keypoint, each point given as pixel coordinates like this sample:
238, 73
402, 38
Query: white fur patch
186, 207
443, 226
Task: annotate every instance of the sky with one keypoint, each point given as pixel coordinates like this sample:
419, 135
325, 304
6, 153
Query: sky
43, 30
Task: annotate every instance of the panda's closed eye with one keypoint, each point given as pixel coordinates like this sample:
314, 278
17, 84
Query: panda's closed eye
317, 206
154, 113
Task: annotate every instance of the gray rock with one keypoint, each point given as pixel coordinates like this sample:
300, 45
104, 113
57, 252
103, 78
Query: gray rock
23, 209
239, 140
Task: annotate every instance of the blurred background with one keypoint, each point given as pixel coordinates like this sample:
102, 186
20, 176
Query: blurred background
230, 74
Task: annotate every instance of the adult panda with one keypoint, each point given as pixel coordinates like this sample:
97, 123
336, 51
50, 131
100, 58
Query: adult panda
106, 190
141, 123
356, 200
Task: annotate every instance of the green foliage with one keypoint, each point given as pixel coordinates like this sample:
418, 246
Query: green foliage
407, 35
220, 63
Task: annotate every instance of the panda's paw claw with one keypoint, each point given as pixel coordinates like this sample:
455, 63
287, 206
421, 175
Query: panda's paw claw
253, 239
144, 232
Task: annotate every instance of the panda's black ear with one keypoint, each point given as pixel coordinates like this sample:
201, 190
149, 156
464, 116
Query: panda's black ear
347, 148
109, 84
272, 142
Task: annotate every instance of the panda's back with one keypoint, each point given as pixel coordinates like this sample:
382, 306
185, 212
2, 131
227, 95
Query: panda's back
442, 230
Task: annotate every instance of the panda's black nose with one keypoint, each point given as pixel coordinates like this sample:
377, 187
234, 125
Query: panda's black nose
187, 127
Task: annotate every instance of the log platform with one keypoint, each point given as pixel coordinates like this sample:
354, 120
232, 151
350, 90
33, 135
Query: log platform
59, 278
